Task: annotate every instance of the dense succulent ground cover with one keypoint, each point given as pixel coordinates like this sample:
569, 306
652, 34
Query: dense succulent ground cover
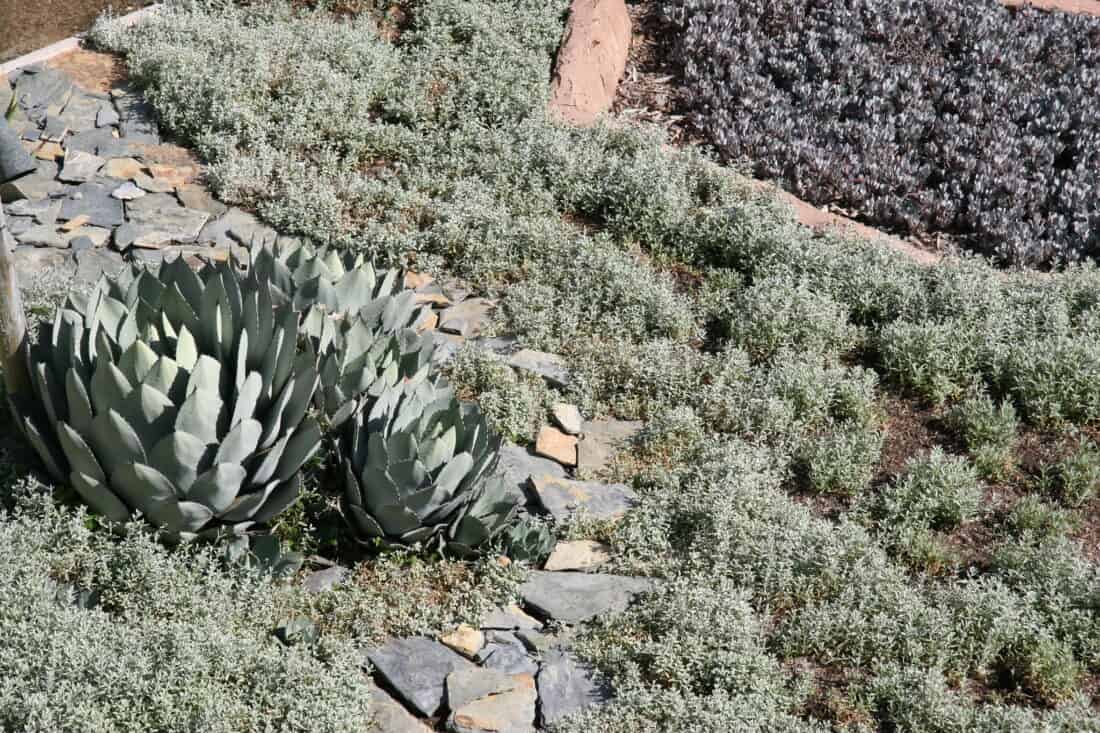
865, 483
920, 116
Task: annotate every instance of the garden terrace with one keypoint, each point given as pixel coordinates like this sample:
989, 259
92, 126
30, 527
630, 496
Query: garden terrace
849, 490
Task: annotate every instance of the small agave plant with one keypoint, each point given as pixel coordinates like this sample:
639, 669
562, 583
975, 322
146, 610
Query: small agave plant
415, 465
181, 395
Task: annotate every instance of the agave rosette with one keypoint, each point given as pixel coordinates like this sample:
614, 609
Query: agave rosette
415, 464
181, 395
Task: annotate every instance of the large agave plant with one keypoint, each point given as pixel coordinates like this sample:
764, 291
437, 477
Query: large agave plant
180, 395
414, 467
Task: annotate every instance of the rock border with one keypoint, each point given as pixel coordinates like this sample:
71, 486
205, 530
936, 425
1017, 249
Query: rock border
1079, 7
72, 43
591, 60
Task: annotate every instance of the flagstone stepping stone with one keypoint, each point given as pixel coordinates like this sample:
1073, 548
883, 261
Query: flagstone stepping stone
93, 199
390, 716
486, 701
153, 185
576, 597
79, 167
123, 169
162, 212
553, 443
106, 115
568, 418
578, 555
127, 192
517, 465
566, 686
137, 119
467, 318
42, 92
601, 440
236, 226
35, 186
417, 668
510, 618
550, 367
55, 130
81, 111
196, 197
97, 142
504, 652
563, 498
19, 224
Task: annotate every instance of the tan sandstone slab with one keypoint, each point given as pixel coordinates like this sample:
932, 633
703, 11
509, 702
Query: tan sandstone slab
554, 444
591, 60
578, 555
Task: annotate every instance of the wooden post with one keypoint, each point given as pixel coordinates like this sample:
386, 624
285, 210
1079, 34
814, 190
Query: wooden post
14, 163
13, 322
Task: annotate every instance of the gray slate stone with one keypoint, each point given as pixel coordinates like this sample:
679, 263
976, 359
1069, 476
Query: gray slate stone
106, 115
467, 318
447, 346
81, 111
94, 200
550, 367
96, 142
6, 94
79, 167
44, 91
93, 263
502, 345
490, 703
42, 235
236, 227
196, 197
576, 597
505, 653
38, 185
601, 440
390, 716
565, 497
81, 243
509, 618
320, 581
31, 262
566, 685
162, 212
19, 224
517, 465
55, 129
137, 119
127, 192
417, 669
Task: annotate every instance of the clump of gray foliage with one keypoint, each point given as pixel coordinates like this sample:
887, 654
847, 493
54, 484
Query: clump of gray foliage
922, 116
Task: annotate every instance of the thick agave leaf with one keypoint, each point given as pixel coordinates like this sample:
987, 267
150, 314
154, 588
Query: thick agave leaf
51, 394
395, 519
115, 442
109, 386
166, 377
300, 448
180, 457
136, 362
80, 455
452, 474
218, 487
240, 443
99, 497
148, 491
200, 415
79, 402
247, 398
46, 451
187, 350
246, 505
193, 516
280, 500
150, 413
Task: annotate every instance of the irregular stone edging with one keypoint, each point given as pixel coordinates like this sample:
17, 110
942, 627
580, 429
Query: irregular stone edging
66, 45
1081, 7
591, 60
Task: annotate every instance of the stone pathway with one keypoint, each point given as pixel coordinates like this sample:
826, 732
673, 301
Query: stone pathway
109, 188
107, 185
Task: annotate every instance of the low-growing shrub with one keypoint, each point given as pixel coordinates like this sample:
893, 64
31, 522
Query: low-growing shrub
1035, 518
1077, 476
905, 113
988, 430
936, 491
780, 314
842, 460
